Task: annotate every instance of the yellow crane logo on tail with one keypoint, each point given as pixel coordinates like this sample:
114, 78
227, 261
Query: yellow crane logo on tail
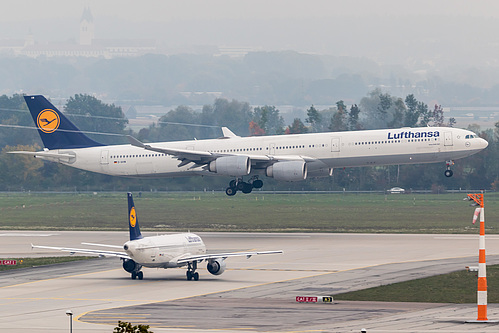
133, 217
48, 121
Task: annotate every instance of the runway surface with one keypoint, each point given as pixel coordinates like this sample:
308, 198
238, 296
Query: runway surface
256, 295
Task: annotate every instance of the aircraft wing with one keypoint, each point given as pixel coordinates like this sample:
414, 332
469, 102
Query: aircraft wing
223, 256
71, 250
187, 156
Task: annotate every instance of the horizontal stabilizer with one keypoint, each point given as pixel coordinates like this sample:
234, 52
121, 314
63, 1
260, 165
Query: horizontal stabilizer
42, 154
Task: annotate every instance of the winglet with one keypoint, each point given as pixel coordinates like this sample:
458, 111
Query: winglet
133, 222
134, 142
228, 133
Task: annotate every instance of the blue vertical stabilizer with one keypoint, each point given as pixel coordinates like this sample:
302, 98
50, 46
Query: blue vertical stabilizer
56, 131
133, 222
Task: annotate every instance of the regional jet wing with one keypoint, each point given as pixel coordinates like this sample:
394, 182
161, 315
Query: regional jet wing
71, 250
202, 257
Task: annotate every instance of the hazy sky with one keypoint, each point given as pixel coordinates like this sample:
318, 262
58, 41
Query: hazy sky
161, 10
398, 31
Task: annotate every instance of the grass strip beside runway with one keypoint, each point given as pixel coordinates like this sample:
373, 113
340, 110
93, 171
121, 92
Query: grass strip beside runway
268, 212
456, 287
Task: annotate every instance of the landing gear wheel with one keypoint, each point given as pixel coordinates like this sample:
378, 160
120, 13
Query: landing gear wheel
195, 276
257, 183
247, 188
134, 275
233, 183
240, 185
189, 275
230, 191
448, 173
140, 275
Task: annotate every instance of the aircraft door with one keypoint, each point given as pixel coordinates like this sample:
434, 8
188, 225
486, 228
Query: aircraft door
104, 157
335, 144
272, 149
447, 138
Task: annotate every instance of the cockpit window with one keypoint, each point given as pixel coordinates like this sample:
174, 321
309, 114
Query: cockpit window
471, 136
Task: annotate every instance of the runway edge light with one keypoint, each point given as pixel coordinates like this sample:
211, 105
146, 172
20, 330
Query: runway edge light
482, 267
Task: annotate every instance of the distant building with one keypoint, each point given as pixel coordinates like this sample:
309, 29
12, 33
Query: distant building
88, 45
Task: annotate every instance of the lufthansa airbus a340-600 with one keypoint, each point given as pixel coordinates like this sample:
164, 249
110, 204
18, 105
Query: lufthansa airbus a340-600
282, 157
163, 251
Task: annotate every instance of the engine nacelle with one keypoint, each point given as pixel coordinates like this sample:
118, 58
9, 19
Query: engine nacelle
216, 266
322, 172
288, 171
131, 266
234, 166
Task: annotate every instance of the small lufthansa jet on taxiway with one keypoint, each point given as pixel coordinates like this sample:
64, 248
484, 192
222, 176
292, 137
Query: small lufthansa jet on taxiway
164, 251
282, 157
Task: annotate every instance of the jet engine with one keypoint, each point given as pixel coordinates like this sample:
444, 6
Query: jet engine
322, 172
131, 266
288, 171
216, 266
234, 166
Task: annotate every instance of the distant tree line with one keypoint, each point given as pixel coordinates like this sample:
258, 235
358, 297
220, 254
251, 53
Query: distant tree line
376, 110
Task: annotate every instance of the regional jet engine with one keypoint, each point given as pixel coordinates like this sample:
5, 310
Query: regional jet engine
216, 266
131, 266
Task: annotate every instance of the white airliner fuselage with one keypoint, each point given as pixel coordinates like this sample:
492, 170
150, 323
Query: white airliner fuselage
320, 151
282, 157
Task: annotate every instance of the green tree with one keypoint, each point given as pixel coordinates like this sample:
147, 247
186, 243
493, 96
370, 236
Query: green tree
91, 114
268, 119
314, 118
125, 327
412, 113
234, 114
14, 112
339, 119
425, 114
438, 115
297, 127
353, 118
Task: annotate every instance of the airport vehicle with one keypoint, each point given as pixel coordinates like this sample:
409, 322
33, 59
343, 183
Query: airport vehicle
163, 251
282, 157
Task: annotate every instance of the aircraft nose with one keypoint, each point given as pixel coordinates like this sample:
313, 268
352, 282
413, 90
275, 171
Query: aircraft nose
483, 143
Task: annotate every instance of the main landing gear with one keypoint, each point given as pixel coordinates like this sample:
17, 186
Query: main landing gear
191, 271
245, 187
138, 274
448, 172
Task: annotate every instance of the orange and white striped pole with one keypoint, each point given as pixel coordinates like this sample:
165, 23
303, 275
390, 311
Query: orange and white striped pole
482, 267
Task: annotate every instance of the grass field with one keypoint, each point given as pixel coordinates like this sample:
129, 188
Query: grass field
456, 287
368, 213
33, 262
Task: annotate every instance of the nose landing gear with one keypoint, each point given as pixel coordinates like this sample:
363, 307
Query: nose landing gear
191, 271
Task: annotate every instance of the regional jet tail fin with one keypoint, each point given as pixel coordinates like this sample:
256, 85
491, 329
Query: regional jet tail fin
133, 222
56, 131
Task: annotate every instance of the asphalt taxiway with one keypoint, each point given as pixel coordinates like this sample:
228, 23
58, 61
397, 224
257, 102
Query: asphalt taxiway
256, 295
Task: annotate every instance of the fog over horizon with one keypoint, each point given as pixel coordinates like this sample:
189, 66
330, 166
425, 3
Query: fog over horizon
433, 33
288, 53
